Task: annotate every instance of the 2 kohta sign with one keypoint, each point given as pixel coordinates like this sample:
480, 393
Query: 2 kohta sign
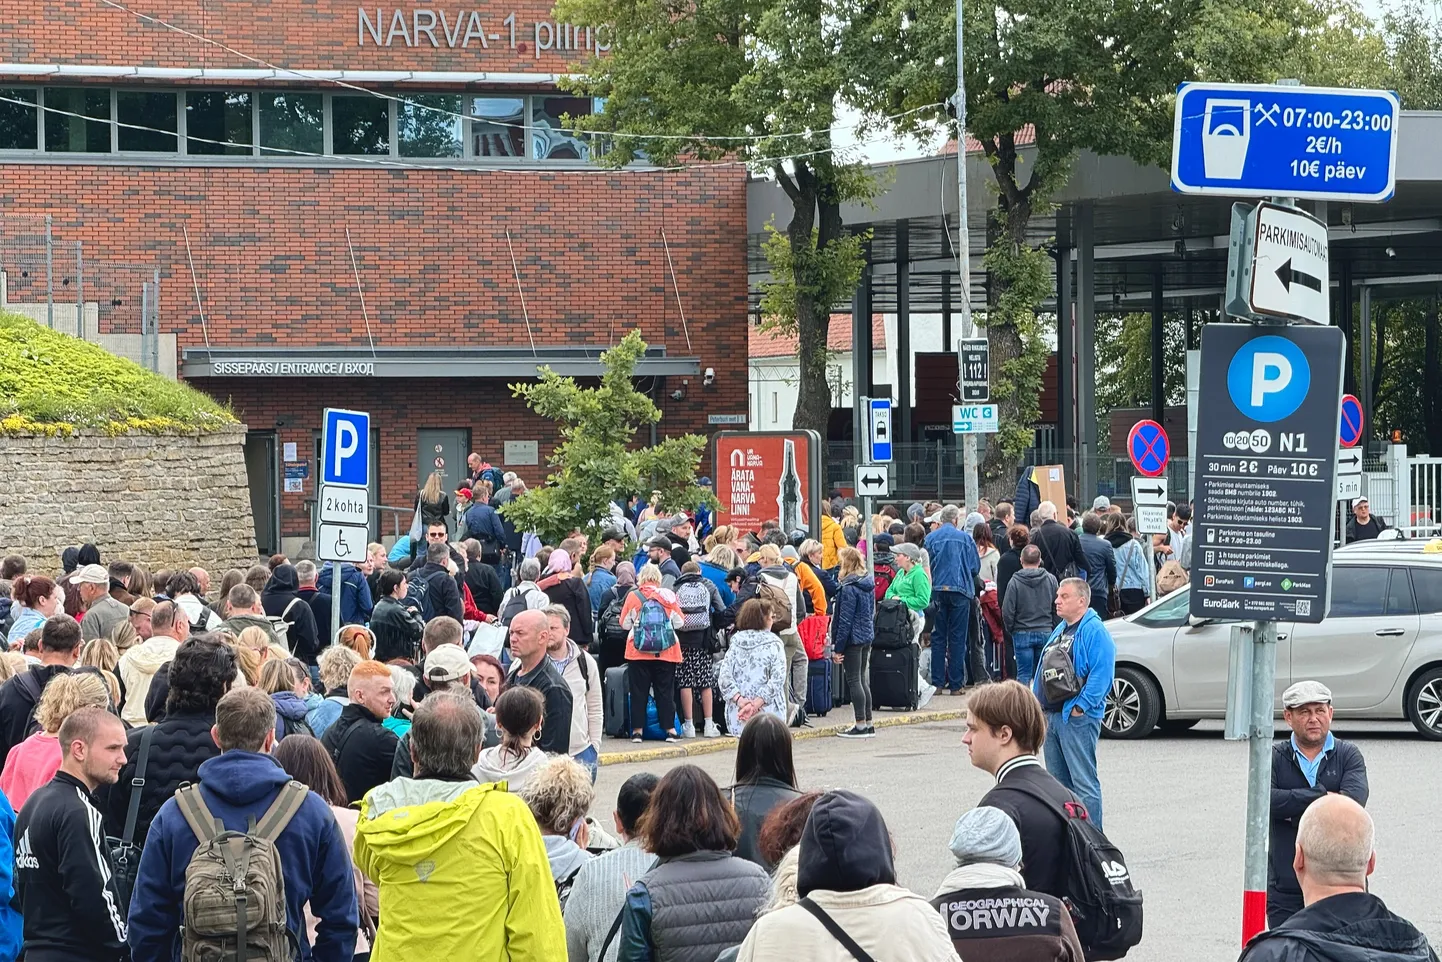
765, 476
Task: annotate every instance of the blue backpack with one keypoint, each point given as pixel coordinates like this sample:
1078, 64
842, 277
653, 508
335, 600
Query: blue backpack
653, 633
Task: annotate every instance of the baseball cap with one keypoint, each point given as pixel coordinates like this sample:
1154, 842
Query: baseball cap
908, 550
142, 606
659, 541
704, 482
789, 553
92, 575
1361, 500
933, 519
1102, 503
1306, 693
611, 534
447, 663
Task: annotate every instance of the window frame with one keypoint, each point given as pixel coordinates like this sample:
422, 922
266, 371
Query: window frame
108, 121
177, 93
254, 100
39, 147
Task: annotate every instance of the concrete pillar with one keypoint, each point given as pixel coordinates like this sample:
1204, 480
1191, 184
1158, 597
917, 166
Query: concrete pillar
1085, 488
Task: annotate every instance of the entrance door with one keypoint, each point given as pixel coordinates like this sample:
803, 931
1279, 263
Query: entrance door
261, 469
443, 450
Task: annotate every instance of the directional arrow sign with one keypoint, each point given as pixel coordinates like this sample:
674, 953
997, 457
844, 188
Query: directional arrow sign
1349, 474
873, 480
1288, 264
1350, 461
1289, 276
1151, 491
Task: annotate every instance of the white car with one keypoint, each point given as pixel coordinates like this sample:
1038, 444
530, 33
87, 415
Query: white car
1379, 649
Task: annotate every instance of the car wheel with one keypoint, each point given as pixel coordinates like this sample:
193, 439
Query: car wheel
1424, 704
1132, 707
1175, 726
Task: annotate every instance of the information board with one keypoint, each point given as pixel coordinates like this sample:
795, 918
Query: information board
768, 475
1265, 472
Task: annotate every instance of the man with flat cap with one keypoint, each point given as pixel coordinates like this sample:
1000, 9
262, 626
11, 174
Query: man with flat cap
1312, 764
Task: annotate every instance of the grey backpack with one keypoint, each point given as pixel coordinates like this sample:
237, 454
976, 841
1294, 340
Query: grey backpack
1058, 672
234, 902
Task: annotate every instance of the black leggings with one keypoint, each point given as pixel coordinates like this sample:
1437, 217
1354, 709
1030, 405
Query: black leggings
857, 665
643, 677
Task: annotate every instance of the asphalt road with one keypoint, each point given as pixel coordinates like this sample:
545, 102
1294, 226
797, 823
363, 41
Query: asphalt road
1175, 805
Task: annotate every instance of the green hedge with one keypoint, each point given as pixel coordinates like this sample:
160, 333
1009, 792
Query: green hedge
52, 383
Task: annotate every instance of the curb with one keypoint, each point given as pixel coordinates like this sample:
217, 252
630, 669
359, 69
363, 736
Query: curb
712, 745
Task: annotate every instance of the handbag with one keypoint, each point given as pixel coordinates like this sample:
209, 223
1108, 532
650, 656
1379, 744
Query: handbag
814, 630
417, 530
489, 639
124, 853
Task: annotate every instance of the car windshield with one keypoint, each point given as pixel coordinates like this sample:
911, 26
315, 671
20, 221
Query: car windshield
1170, 612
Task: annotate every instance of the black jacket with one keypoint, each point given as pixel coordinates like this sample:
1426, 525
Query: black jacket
442, 593
318, 602
397, 628
571, 594
1006, 566
362, 748
1343, 770
556, 729
280, 591
177, 748
1351, 927
18, 698
485, 587
1060, 546
1043, 835
753, 802
64, 885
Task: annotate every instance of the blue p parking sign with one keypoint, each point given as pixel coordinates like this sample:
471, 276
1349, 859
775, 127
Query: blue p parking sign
346, 449
1268, 378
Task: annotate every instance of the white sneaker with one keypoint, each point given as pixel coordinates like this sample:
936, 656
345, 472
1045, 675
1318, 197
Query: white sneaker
711, 731
688, 729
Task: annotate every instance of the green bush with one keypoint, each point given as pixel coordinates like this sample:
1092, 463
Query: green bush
52, 383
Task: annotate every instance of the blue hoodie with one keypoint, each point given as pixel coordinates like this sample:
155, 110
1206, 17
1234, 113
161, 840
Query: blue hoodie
355, 596
313, 853
10, 924
1094, 654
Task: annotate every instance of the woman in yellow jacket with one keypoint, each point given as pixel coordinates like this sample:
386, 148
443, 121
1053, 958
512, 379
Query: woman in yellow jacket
461, 867
832, 540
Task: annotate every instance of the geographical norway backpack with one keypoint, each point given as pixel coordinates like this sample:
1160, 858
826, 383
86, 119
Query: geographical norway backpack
234, 901
653, 633
695, 599
1058, 672
1096, 885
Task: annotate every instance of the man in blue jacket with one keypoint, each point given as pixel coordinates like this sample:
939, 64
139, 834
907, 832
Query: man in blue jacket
236, 787
1074, 722
954, 566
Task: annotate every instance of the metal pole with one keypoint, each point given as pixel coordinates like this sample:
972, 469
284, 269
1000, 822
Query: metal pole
49, 275
144, 324
80, 295
866, 535
1259, 778
155, 323
940, 453
335, 624
972, 487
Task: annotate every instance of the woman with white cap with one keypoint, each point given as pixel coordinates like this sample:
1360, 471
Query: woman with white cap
987, 884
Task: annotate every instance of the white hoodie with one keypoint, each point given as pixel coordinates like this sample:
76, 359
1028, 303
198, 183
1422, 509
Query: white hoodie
137, 667
494, 766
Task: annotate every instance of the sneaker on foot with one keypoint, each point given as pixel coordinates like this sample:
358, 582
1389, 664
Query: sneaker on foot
711, 731
635, 739
688, 729
855, 731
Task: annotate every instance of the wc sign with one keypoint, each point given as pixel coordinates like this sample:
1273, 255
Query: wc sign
346, 448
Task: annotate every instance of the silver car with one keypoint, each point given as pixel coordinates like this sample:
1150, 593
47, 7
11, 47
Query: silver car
1379, 649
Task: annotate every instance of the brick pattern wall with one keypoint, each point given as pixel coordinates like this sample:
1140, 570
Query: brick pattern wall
318, 34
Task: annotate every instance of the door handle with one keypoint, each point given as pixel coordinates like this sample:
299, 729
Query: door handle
1390, 632
1282, 636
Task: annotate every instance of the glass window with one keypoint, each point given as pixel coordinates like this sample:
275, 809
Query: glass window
498, 130
1358, 592
429, 125
1427, 584
1170, 612
549, 137
291, 123
1399, 594
218, 122
360, 125
66, 133
144, 108
19, 124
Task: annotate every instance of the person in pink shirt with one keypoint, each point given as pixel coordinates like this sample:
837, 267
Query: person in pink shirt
35, 761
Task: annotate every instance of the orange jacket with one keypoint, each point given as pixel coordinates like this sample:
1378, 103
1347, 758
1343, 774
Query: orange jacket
631, 610
811, 585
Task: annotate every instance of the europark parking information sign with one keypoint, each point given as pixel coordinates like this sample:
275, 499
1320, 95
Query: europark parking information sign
1260, 140
344, 498
1265, 472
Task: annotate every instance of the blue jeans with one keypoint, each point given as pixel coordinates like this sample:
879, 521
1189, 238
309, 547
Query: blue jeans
948, 639
503, 574
589, 760
1028, 645
1071, 757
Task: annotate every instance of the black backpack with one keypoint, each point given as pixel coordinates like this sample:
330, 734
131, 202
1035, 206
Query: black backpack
893, 625
1059, 681
1097, 887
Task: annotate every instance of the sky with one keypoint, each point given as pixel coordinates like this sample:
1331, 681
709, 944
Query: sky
879, 148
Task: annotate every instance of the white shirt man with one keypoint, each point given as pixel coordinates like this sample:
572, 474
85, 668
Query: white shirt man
583, 677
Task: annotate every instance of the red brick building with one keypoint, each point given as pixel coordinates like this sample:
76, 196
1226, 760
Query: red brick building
454, 211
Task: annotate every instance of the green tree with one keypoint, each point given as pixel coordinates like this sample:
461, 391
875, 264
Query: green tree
595, 462
734, 69
1124, 364
1094, 75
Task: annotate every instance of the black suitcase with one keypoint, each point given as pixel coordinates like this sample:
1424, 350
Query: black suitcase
616, 715
819, 678
840, 690
894, 679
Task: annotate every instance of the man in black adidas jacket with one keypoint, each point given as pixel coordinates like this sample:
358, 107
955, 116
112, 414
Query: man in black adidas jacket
64, 883
1310, 765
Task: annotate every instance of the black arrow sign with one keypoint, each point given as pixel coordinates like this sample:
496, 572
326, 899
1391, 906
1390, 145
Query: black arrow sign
1287, 274
1353, 461
1158, 491
872, 481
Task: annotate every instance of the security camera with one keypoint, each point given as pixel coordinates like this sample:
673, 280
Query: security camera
709, 377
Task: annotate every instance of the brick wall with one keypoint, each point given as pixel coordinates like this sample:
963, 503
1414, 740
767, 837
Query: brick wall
318, 34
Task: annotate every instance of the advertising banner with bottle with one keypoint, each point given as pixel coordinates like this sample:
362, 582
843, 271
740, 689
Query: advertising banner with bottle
764, 476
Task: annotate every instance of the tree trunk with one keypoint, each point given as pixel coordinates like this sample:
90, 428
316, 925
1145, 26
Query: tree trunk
813, 397
998, 469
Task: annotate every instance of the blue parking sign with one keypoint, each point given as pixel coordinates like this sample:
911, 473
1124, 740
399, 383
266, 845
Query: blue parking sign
346, 449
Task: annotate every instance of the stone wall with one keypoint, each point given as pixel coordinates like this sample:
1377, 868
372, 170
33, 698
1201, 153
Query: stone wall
167, 501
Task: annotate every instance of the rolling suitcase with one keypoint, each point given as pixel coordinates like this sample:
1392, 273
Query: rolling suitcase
840, 690
818, 686
616, 717
895, 680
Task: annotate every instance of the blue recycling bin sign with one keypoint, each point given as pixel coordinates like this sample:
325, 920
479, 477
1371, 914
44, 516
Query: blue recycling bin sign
1259, 140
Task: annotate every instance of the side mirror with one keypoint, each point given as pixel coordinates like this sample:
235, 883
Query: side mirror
1194, 622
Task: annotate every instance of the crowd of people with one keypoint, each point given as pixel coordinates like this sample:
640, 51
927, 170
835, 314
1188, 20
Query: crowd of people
187, 769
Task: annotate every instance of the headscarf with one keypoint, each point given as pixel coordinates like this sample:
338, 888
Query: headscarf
559, 563
70, 559
625, 574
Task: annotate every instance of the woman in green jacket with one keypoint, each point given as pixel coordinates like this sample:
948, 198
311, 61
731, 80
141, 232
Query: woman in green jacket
912, 585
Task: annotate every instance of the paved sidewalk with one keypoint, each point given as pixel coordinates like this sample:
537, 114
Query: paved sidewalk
620, 751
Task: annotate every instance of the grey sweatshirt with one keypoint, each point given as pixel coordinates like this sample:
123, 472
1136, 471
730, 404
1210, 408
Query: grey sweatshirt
1030, 596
